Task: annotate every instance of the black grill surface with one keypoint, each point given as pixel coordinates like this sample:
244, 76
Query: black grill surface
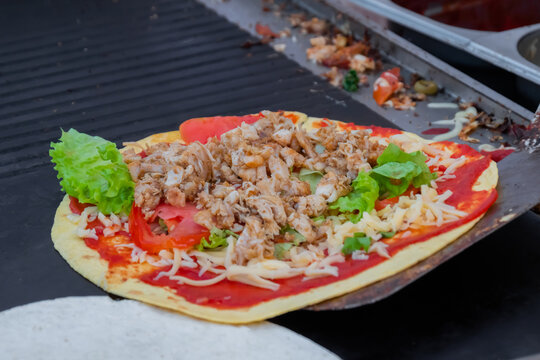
127, 69
122, 70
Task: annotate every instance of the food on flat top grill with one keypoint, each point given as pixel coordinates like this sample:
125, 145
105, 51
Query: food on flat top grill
241, 218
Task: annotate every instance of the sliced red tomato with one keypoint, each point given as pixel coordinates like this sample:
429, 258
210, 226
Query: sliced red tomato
76, 207
200, 129
387, 84
184, 232
166, 211
381, 204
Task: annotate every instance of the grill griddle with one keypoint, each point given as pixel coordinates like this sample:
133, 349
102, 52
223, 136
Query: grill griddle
126, 69
122, 72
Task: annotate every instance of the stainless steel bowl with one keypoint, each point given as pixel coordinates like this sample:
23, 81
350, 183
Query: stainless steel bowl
529, 47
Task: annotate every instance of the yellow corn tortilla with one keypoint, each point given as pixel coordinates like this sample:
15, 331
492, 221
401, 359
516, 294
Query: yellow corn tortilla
123, 281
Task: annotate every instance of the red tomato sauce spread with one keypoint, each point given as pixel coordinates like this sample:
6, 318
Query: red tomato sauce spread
230, 295
104, 245
107, 249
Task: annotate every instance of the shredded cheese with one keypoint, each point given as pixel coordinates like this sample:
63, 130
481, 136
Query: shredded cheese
89, 214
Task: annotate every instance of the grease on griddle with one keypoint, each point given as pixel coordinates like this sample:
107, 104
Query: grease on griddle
435, 131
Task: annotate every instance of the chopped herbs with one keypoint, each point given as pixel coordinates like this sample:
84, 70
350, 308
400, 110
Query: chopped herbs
357, 242
350, 81
217, 239
280, 249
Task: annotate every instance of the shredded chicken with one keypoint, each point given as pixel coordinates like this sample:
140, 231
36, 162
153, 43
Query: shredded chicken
244, 180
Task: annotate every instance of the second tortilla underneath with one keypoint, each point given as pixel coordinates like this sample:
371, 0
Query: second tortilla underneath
80, 328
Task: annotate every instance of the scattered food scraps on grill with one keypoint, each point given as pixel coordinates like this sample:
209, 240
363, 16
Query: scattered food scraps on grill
387, 85
426, 87
334, 76
313, 26
279, 47
460, 119
266, 33
339, 51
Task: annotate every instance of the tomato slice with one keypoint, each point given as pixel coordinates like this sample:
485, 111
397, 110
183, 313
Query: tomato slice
200, 129
184, 231
387, 84
381, 204
76, 207
166, 211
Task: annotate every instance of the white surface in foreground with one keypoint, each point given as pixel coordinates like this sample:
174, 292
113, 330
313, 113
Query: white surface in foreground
97, 327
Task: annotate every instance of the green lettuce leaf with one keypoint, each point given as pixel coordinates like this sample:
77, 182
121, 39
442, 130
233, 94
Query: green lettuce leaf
280, 249
357, 242
318, 219
396, 170
388, 234
365, 192
298, 238
217, 239
312, 177
93, 171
